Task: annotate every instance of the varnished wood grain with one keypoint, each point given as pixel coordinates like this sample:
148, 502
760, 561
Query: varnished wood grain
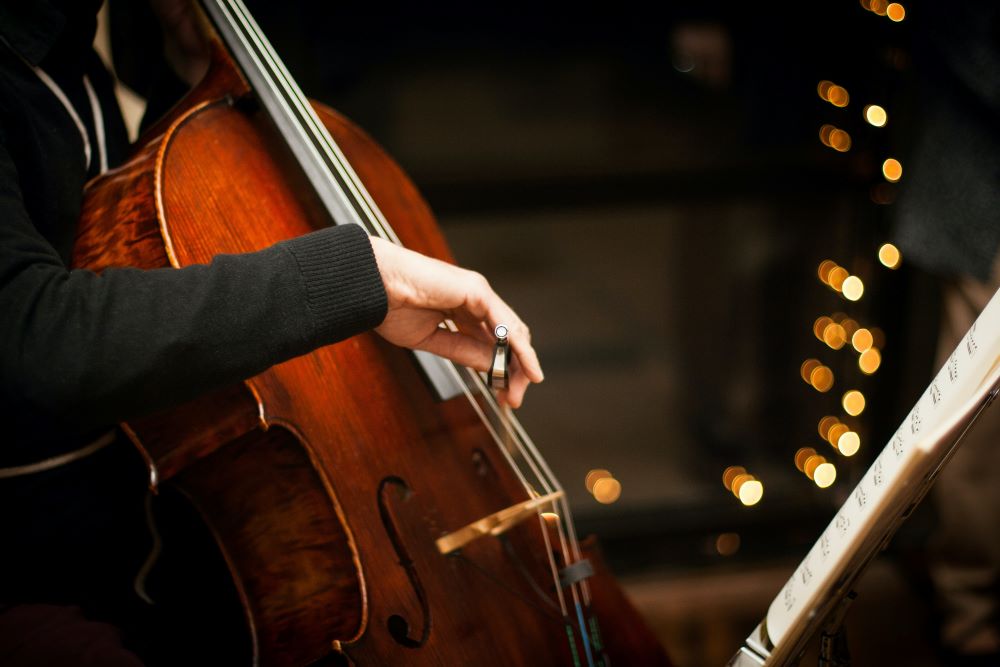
307, 501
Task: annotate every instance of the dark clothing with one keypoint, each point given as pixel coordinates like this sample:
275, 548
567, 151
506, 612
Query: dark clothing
81, 642
949, 224
80, 352
949, 209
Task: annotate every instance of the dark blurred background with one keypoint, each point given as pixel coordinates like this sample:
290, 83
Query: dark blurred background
651, 188
647, 186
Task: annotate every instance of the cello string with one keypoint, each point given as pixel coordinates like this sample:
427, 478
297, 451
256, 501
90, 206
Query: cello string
382, 228
246, 37
255, 47
374, 217
295, 96
553, 566
306, 115
571, 556
570, 528
319, 135
565, 516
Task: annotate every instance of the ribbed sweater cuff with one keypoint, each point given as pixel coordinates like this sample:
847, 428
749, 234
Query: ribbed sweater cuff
344, 289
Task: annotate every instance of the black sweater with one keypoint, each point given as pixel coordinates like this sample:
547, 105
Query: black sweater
79, 351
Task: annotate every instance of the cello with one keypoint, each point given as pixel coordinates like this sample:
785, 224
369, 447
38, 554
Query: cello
373, 506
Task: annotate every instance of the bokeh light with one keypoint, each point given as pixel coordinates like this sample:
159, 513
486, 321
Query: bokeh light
739, 480
824, 134
849, 443
840, 140
593, 476
807, 367
727, 544
837, 277
896, 12
889, 255
834, 336
825, 424
813, 462
607, 490
892, 170
870, 360
825, 474
862, 340
876, 115
838, 96
743, 485
852, 288
853, 402
730, 474
823, 271
821, 379
820, 325
837, 430
802, 456
751, 492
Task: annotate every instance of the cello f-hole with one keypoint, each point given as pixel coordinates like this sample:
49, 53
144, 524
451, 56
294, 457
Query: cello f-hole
399, 627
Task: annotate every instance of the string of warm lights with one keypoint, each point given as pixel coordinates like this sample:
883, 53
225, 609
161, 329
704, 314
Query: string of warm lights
838, 331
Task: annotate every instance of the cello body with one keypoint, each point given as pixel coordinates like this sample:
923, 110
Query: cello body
326, 480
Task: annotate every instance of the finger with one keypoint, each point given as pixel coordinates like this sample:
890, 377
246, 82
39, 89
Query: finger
519, 337
475, 328
482, 304
516, 387
495, 311
526, 354
460, 348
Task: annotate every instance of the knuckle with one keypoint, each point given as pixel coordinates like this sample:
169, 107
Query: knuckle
480, 281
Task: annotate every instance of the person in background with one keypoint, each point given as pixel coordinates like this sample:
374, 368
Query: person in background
949, 224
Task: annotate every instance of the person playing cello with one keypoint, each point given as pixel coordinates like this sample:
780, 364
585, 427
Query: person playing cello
80, 352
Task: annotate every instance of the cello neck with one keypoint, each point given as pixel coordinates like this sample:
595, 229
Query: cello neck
323, 164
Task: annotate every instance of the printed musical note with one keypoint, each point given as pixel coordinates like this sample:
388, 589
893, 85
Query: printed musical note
789, 597
970, 341
897, 445
805, 572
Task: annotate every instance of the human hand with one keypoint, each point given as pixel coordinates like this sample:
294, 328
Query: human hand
424, 291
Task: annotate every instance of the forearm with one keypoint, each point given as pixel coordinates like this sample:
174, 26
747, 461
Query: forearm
92, 349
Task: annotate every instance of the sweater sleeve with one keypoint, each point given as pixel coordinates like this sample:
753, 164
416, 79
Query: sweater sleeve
89, 349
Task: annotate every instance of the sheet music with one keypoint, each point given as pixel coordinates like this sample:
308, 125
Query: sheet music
893, 481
